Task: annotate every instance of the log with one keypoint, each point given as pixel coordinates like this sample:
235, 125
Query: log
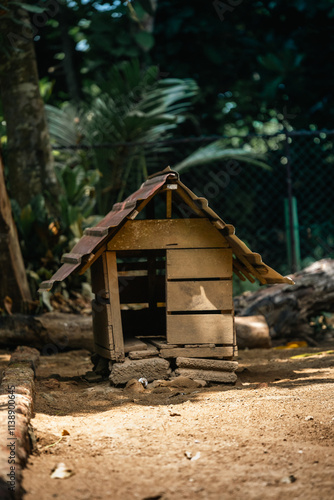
50, 333
53, 332
288, 309
252, 332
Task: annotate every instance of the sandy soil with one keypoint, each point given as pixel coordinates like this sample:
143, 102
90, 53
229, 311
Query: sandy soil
269, 437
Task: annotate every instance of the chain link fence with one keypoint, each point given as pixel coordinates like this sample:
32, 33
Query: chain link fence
286, 212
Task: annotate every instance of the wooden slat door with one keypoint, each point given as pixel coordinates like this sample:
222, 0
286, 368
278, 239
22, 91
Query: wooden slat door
199, 301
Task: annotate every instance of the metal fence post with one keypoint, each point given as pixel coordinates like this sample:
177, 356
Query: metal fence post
291, 214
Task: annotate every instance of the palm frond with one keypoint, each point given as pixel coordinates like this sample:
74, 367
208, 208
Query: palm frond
217, 151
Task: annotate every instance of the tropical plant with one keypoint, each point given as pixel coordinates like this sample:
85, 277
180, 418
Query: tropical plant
123, 130
77, 197
216, 151
123, 125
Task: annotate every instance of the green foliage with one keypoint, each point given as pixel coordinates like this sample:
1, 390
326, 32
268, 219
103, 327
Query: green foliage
77, 198
45, 238
132, 112
36, 9
35, 226
217, 151
257, 59
45, 88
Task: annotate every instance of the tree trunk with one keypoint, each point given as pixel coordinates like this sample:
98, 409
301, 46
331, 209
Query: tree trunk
29, 152
13, 282
289, 309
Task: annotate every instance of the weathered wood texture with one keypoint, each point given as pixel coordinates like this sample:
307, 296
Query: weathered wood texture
149, 353
134, 344
98, 281
175, 233
13, 281
198, 263
199, 295
198, 352
50, 333
101, 329
288, 309
107, 323
203, 295
200, 328
114, 309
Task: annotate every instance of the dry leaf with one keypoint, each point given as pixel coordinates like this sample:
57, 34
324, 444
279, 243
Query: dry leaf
65, 432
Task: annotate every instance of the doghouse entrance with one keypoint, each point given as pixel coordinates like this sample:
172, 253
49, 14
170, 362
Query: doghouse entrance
141, 281
130, 298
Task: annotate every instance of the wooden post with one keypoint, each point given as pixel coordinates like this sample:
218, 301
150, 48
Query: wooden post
168, 204
13, 283
114, 309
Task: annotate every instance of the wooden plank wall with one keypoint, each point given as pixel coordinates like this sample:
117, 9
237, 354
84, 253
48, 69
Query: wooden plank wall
199, 296
166, 233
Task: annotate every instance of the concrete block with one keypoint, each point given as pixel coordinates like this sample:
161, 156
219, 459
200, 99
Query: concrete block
208, 375
151, 369
207, 364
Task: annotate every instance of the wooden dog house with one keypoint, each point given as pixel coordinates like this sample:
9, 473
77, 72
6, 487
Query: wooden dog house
161, 268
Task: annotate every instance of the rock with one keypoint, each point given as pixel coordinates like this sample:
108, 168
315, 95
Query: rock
207, 364
183, 382
134, 386
151, 369
208, 375
202, 383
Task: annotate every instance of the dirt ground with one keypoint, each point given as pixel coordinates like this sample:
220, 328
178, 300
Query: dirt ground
270, 436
